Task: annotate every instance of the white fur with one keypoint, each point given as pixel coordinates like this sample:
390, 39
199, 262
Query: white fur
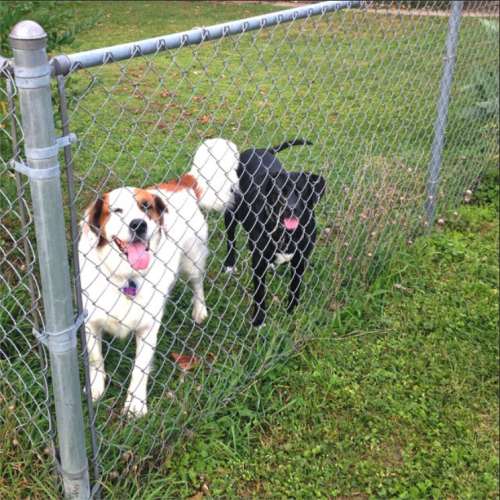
282, 258
179, 246
214, 167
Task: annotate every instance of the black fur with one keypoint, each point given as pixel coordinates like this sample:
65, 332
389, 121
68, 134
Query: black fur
268, 195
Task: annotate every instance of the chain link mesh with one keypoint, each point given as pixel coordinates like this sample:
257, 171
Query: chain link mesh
362, 86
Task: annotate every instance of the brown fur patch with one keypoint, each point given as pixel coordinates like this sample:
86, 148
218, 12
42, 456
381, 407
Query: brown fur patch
97, 216
152, 205
185, 182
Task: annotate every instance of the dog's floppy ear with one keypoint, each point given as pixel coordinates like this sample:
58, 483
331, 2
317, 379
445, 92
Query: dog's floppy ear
93, 222
160, 209
313, 187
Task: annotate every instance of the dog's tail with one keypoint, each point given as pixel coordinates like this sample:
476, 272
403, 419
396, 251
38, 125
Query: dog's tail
289, 144
214, 168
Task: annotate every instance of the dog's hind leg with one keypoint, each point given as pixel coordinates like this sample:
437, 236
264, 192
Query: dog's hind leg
146, 339
199, 308
231, 221
193, 266
95, 360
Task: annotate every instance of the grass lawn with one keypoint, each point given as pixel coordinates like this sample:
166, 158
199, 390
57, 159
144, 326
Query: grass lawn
399, 398
397, 394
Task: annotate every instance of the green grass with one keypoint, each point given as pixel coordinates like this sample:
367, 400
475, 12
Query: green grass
388, 400
397, 399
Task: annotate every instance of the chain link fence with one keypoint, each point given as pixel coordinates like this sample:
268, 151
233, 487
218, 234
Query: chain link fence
361, 81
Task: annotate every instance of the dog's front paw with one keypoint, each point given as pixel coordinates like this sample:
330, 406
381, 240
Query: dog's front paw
135, 406
259, 319
200, 313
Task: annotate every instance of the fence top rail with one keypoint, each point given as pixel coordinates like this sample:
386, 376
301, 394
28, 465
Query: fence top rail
63, 64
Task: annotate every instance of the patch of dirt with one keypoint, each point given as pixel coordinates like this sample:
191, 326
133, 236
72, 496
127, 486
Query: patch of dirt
487, 227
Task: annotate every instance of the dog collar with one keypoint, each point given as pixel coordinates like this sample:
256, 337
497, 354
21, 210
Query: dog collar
130, 290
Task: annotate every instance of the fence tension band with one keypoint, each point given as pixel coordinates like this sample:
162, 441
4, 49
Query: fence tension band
71, 475
61, 341
44, 154
39, 174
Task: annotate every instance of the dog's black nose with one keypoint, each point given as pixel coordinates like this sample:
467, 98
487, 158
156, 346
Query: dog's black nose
139, 226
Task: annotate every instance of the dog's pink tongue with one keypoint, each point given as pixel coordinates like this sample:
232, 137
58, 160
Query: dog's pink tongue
291, 223
138, 256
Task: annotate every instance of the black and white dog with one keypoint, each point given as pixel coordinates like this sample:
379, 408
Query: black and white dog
276, 209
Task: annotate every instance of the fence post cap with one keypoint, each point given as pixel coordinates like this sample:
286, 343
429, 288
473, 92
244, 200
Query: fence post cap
27, 30
27, 35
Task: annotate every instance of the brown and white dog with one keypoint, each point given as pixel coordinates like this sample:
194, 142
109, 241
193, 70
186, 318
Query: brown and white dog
134, 244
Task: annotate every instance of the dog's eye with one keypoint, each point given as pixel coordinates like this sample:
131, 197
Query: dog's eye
117, 210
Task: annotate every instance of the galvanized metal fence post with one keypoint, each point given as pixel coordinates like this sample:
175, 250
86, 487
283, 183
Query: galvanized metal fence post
32, 72
442, 112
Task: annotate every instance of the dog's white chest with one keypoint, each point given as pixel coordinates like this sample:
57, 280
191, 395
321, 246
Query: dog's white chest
282, 258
